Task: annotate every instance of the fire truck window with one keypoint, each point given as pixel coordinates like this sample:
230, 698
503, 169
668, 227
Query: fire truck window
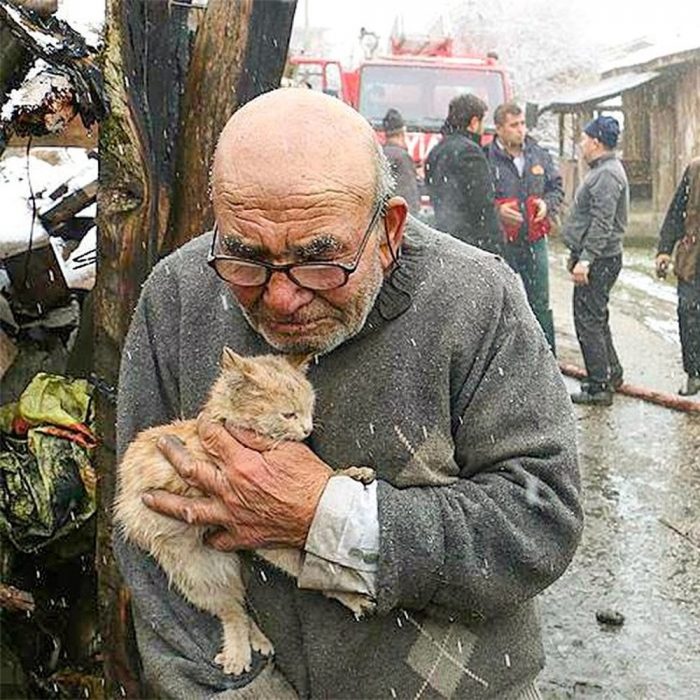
422, 94
333, 83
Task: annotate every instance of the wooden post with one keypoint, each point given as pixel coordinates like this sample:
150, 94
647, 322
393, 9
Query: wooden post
125, 255
239, 53
145, 57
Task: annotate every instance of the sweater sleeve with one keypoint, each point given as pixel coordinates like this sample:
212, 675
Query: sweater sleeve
673, 227
605, 192
509, 526
177, 643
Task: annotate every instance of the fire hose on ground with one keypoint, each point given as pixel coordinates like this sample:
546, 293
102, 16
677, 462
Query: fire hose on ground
673, 401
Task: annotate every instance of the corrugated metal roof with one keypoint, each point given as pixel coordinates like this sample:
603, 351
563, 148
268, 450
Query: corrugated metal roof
597, 92
678, 47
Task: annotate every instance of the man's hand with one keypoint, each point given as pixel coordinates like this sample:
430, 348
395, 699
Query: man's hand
579, 274
509, 214
257, 498
662, 262
541, 210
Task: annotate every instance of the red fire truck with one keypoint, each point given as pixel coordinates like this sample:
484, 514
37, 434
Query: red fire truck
419, 78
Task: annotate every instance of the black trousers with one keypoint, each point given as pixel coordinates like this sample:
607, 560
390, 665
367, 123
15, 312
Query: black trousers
591, 320
689, 326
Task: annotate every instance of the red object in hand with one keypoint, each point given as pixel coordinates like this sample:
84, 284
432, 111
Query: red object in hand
535, 229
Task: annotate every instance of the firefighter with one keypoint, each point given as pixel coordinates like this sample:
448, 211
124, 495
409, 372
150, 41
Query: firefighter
528, 194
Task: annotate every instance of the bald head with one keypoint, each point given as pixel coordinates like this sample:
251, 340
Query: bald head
295, 142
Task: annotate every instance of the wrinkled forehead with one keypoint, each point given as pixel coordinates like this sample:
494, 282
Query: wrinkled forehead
273, 163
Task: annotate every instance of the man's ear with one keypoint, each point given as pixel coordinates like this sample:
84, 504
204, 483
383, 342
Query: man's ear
394, 223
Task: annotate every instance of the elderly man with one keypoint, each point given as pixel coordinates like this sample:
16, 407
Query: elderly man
425, 349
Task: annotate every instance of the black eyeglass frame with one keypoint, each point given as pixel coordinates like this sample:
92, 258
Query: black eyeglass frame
287, 269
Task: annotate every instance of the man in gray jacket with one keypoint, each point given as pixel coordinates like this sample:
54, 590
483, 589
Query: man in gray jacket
425, 348
593, 233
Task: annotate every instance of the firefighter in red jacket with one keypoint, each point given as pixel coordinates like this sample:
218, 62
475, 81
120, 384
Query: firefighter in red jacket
529, 193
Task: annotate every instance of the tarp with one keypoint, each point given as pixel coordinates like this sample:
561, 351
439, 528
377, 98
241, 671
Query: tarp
47, 482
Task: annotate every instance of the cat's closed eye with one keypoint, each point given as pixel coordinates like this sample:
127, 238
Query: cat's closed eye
289, 416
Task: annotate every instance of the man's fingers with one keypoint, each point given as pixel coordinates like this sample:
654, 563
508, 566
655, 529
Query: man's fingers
219, 443
195, 511
196, 472
251, 439
223, 541
176, 453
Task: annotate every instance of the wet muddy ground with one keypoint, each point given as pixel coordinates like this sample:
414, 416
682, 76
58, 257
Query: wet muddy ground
640, 553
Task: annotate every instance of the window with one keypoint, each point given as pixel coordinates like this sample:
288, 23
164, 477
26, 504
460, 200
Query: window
422, 93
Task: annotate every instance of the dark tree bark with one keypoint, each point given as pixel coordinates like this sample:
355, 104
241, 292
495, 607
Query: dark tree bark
239, 53
165, 108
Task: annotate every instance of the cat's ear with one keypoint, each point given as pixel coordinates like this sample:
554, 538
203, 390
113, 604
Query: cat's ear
300, 362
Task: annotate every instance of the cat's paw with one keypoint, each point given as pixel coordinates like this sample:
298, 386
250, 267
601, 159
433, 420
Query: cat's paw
235, 659
366, 475
259, 641
359, 605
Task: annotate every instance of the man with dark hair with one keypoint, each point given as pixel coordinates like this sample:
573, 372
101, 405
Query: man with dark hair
593, 233
528, 193
402, 166
458, 178
681, 231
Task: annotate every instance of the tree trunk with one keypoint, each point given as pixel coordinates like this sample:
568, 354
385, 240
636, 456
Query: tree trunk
146, 59
125, 255
239, 53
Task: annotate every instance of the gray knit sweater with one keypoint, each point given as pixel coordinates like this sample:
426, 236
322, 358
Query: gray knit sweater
451, 394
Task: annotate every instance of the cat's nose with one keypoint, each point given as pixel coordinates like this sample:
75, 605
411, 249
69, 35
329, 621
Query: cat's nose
308, 429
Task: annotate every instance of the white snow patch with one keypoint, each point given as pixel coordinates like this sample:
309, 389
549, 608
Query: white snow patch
87, 18
644, 283
16, 223
33, 89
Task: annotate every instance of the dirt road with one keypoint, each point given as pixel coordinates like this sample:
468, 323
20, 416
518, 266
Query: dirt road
640, 554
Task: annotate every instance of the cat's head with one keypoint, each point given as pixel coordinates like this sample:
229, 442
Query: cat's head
268, 393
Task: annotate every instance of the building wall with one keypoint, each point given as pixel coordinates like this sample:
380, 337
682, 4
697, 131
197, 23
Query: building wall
687, 117
675, 130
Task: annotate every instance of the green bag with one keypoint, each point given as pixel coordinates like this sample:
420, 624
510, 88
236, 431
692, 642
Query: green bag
47, 482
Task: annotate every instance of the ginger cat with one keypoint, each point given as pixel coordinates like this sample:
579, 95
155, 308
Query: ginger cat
270, 395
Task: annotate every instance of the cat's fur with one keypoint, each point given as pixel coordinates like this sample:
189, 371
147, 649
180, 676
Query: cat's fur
270, 395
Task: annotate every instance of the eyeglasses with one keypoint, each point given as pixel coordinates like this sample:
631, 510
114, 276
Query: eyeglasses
317, 276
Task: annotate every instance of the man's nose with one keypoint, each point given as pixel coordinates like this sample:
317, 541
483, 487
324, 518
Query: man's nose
283, 297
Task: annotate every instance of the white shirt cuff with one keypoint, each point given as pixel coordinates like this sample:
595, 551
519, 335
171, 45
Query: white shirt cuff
342, 547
